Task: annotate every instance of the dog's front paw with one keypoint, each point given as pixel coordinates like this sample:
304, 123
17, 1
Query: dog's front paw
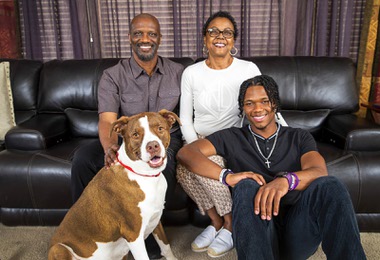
169, 255
172, 257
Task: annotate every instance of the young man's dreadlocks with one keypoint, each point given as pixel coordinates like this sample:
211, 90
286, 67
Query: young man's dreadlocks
270, 86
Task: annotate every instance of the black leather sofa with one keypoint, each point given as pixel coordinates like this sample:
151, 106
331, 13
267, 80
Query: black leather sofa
56, 112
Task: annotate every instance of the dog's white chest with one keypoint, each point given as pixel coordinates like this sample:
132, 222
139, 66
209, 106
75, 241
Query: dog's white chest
152, 206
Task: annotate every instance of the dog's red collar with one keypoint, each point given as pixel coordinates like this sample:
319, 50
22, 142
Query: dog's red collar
129, 168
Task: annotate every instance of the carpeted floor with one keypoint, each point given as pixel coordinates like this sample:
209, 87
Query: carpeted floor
31, 243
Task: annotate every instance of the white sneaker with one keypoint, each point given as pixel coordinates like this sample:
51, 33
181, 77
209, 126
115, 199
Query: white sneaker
221, 245
204, 239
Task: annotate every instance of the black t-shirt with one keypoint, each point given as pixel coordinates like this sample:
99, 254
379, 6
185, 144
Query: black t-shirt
238, 147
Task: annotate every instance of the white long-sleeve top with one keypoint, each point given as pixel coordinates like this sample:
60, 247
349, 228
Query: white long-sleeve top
209, 97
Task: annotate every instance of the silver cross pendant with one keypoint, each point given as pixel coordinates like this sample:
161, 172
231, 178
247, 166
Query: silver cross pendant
267, 163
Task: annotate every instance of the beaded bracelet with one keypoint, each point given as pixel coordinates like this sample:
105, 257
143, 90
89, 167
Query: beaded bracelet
223, 175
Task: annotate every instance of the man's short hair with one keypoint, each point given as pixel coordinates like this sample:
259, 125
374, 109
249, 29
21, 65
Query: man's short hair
270, 86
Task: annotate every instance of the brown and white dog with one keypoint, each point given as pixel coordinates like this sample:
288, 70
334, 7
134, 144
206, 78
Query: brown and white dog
123, 204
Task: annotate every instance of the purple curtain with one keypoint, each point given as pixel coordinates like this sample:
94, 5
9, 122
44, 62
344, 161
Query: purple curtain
86, 28
333, 40
32, 38
50, 29
304, 29
75, 30
99, 28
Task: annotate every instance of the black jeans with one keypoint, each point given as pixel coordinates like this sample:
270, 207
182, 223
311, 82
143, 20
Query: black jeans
89, 159
324, 213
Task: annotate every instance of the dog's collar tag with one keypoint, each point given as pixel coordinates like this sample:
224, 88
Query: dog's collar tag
130, 169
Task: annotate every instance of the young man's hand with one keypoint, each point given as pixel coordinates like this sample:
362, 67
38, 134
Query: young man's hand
233, 179
267, 200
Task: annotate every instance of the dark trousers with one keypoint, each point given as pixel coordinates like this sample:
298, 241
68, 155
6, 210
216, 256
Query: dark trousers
324, 213
89, 159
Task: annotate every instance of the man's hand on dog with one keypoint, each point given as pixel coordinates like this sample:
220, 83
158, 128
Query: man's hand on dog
110, 155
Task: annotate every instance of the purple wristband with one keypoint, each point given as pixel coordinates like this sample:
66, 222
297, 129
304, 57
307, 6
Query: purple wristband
295, 181
292, 178
225, 173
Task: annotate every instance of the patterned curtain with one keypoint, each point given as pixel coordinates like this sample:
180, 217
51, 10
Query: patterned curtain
375, 88
368, 63
9, 38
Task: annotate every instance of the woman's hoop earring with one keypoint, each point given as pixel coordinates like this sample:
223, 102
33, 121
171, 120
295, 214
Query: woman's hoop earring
235, 51
205, 50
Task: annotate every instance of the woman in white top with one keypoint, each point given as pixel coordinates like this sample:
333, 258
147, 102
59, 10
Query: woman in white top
209, 102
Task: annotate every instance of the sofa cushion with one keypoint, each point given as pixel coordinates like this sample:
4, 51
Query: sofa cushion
6, 101
310, 83
309, 120
71, 84
83, 123
24, 77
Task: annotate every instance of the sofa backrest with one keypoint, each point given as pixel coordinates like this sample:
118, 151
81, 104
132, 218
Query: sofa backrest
70, 84
70, 87
312, 88
311, 83
24, 77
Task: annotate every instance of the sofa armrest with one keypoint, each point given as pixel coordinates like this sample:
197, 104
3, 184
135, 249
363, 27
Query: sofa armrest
363, 140
352, 133
38, 133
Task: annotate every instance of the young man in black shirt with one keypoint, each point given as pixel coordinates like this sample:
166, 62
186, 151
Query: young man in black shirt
284, 204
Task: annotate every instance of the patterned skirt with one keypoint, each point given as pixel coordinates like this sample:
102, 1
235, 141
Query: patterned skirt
206, 192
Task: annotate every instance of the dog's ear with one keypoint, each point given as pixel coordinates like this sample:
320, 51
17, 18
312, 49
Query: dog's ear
170, 117
118, 125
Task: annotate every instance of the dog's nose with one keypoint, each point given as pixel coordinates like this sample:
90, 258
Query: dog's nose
153, 147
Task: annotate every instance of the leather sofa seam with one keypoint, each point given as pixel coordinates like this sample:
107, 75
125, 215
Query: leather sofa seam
30, 188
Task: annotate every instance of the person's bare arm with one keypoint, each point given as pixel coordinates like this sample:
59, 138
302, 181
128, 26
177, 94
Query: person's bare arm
313, 166
109, 143
269, 196
194, 157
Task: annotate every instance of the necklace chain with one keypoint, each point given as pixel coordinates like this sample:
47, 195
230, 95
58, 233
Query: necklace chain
267, 162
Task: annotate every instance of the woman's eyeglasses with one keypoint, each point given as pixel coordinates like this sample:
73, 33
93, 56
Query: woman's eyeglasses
227, 33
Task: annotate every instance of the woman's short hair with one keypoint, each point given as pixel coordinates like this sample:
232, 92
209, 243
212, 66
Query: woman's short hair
222, 14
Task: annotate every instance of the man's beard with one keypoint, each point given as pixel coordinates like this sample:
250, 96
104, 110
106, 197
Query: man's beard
149, 56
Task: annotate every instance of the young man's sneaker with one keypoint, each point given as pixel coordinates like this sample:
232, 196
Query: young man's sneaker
204, 239
222, 244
